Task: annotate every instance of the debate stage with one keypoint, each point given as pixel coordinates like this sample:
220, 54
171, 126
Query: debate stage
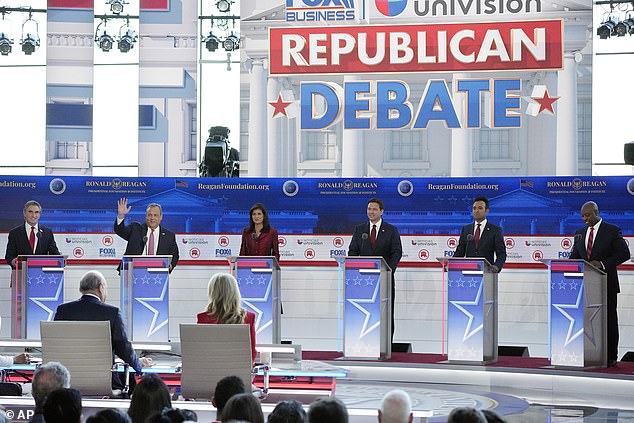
522, 389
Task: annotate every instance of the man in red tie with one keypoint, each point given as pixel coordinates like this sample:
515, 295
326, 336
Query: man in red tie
31, 237
149, 238
378, 238
482, 238
602, 244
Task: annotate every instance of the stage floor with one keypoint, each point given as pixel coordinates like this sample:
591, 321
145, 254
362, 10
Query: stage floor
520, 389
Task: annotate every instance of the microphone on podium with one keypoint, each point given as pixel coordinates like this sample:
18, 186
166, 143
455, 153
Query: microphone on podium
144, 242
469, 239
254, 236
578, 237
364, 236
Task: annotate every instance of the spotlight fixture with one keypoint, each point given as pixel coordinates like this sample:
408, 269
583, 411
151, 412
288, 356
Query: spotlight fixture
231, 43
127, 40
211, 42
116, 6
30, 43
224, 5
606, 29
105, 42
624, 27
5, 44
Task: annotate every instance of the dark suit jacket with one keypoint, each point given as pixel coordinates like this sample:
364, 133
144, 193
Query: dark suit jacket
19, 243
134, 233
89, 308
608, 247
388, 244
491, 244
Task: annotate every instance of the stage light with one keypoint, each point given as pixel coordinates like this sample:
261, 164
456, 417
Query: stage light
105, 42
116, 6
224, 5
5, 44
211, 42
606, 29
624, 27
30, 43
231, 43
126, 41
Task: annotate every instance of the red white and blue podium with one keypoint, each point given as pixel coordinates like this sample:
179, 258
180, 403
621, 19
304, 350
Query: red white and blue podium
577, 314
259, 282
145, 297
472, 310
367, 310
36, 292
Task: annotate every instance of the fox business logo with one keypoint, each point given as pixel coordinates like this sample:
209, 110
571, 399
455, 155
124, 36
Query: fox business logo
320, 10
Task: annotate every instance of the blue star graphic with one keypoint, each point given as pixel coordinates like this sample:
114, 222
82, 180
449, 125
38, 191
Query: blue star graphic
469, 332
561, 308
356, 303
55, 300
154, 327
249, 302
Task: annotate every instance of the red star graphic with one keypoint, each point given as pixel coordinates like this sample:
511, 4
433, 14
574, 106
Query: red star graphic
280, 106
546, 102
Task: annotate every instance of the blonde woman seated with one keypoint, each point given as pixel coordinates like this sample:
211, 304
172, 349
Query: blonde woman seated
224, 306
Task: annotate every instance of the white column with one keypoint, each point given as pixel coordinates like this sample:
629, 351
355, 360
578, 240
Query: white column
353, 148
461, 139
257, 120
274, 139
566, 111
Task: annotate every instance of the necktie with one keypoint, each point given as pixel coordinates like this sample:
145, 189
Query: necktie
32, 239
373, 236
476, 237
150, 244
590, 241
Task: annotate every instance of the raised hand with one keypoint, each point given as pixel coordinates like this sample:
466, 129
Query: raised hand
122, 208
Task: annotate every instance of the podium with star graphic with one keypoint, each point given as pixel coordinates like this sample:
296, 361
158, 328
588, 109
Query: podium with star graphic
259, 283
145, 297
472, 310
577, 312
36, 293
367, 308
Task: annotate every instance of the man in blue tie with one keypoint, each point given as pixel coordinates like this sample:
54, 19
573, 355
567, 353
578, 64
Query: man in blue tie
602, 244
482, 238
30, 237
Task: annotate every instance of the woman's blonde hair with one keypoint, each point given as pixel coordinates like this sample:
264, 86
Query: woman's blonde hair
224, 299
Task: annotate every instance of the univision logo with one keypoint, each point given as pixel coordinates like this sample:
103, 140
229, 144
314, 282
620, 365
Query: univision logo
391, 7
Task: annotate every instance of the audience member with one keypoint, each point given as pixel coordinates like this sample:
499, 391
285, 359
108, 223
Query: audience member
173, 415
63, 406
224, 306
327, 410
466, 415
492, 416
149, 397
225, 389
3, 415
289, 411
243, 407
109, 415
47, 378
396, 407
8, 360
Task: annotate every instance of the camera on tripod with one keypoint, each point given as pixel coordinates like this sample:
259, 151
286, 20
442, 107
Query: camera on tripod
220, 160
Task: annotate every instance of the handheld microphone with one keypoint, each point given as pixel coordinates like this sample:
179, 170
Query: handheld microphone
364, 236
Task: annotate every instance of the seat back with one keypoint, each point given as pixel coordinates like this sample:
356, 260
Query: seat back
211, 352
85, 349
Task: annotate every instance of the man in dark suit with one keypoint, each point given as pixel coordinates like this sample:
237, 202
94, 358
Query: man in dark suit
148, 238
602, 244
31, 237
378, 238
92, 307
482, 238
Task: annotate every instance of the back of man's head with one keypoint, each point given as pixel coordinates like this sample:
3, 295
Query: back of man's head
328, 410
47, 378
396, 407
63, 406
466, 415
225, 389
91, 281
